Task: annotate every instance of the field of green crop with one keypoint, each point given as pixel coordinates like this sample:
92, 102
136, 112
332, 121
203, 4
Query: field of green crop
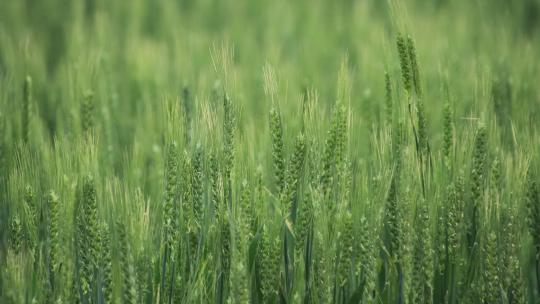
269, 151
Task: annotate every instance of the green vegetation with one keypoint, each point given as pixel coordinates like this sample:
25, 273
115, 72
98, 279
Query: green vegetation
272, 151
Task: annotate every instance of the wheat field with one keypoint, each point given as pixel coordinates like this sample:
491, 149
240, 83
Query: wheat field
270, 151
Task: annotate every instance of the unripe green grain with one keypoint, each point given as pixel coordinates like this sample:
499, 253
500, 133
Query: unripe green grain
404, 60
81, 279
322, 274
398, 142
415, 70
259, 187
90, 235
366, 259
388, 99
74, 288
143, 278
448, 139
129, 285
186, 186
491, 289
392, 219
54, 240
215, 183
240, 282
423, 142
186, 114
454, 218
304, 222
229, 126
269, 257
197, 184
334, 148
510, 269
516, 290
346, 243
190, 207
16, 237
297, 161
441, 252
422, 258
278, 154
171, 182
90, 210
341, 135
478, 164
296, 170
495, 177
225, 250
240, 278
106, 263
477, 181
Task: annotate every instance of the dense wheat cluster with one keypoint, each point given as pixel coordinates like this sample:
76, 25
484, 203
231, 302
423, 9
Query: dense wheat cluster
349, 151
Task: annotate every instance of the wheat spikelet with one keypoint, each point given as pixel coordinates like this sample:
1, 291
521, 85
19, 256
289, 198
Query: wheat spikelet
186, 114
269, 271
215, 184
278, 153
106, 264
229, 126
388, 99
197, 184
477, 183
225, 250
346, 244
404, 60
366, 259
54, 246
454, 222
448, 138
129, 284
423, 141
510, 268
414, 69
422, 258
90, 237
491, 289
322, 285
392, 218
295, 172
304, 222
334, 149
16, 237
171, 182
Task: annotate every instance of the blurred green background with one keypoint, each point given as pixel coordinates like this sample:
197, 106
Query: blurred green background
131, 53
